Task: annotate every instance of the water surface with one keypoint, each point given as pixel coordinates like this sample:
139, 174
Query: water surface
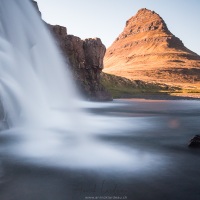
136, 149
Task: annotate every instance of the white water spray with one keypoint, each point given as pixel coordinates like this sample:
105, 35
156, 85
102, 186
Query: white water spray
32, 73
39, 98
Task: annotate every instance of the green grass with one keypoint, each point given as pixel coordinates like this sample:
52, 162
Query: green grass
121, 87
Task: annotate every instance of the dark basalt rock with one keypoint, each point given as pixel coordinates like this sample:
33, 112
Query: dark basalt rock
195, 142
85, 58
36, 7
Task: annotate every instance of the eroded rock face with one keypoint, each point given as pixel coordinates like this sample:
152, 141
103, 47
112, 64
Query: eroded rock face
146, 50
86, 60
85, 57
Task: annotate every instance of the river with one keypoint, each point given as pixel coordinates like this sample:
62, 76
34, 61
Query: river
153, 136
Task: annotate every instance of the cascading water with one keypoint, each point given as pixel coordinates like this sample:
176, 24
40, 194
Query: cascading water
33, 74
40, 101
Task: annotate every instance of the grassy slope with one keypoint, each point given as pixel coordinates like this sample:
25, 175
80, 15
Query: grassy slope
121, 87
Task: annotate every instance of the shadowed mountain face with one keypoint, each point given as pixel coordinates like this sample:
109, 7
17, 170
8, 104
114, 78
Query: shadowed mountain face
146, 50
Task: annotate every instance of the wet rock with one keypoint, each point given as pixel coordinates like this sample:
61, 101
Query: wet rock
3, 122
195, 142
36, 7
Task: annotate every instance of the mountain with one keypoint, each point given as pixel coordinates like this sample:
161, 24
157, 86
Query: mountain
146, 50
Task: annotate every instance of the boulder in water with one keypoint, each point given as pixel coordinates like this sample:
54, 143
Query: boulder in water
195, 142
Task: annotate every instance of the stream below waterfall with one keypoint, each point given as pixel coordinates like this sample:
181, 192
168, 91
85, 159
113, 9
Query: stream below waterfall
145, 158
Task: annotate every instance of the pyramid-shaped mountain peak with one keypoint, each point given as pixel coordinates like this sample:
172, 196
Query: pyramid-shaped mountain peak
147, 50
146, 20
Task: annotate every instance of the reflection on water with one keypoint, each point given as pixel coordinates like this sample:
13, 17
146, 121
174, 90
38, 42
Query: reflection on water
140, 145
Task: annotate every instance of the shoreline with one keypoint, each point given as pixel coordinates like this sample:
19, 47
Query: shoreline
165, 96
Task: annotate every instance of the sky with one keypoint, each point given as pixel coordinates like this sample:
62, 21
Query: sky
106, 18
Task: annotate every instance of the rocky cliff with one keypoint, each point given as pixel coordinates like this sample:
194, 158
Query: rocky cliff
146, 50
85, 58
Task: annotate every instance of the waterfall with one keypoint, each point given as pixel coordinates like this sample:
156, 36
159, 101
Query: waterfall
34, 78
45, 117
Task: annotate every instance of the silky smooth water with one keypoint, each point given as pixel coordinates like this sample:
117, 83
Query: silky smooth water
42, 109
147, 158
34, 78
